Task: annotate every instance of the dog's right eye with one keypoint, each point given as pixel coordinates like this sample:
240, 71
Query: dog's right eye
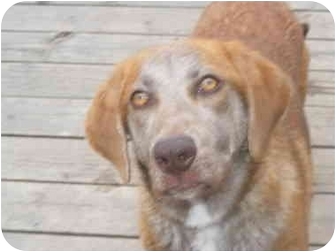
139, 99
208, 85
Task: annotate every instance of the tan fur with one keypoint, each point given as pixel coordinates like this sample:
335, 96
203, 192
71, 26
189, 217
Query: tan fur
266, 60
106, 116
267, 27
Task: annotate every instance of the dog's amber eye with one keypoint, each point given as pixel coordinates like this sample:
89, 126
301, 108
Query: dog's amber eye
208, 85
140, 99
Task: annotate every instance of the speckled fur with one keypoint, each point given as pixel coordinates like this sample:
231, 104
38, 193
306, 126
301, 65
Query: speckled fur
260, 199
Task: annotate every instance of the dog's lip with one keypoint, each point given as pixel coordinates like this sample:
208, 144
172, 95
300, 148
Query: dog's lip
186, 188
183, 187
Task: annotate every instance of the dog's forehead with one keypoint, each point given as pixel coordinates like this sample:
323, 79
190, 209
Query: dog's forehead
174, 63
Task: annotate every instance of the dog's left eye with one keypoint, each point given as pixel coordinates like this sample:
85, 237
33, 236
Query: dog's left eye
208, 85
140, 99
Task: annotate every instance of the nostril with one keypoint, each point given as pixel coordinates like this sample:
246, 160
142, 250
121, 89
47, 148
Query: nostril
182, 156
189, 160
162, 161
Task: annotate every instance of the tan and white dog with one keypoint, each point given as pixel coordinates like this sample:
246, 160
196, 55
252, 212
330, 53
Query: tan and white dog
218, 130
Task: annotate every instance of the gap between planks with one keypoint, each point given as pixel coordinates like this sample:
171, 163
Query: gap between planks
70, 234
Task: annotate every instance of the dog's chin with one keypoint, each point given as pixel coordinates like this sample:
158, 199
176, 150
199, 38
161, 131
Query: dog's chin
191, 192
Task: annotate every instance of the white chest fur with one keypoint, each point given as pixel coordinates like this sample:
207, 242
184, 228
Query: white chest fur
208, 234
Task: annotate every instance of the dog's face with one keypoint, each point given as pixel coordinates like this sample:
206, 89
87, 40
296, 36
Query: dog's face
190, 108
187, 123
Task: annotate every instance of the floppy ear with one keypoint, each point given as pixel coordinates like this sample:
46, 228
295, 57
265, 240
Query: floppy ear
105, 121
266, 89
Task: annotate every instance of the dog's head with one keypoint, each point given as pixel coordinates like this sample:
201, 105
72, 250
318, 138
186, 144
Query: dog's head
191, 109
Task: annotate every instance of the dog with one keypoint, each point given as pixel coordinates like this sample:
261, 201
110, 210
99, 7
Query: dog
218, 129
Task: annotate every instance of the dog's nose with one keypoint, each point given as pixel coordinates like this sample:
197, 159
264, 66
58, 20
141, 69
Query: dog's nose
175, 154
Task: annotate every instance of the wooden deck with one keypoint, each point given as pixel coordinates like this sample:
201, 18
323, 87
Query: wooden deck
59, 195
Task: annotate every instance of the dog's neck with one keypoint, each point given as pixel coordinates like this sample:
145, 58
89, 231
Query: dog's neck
199, 224
207, 232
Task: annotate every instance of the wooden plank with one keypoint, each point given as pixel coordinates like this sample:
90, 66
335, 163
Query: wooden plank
307, 5
75, 48
46, 242
319, 96
52, 80
110, 48
320, 24
73, 161
321, 88
130, 20
321, 121
43, 242
99, 210
65, 117
48, 117
322, 220
101, 19
81, 81
322, 76
295, 5
54, 160
324, 170
104, 210
322, 55
315, 247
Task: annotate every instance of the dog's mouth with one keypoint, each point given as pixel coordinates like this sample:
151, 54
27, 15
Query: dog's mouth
185, 189
185, 185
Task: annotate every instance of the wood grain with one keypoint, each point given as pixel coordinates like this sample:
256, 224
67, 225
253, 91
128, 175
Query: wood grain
321, 122
322, 76
100, 210
52, 80
322, 221
75, 48
43, 117
324, 170
54, 160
